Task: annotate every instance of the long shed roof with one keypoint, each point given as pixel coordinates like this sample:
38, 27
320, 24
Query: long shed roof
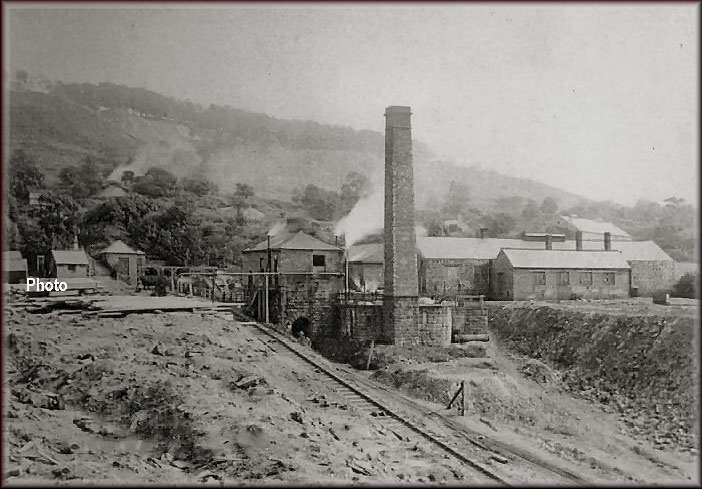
569, 259
488, 248
592, 226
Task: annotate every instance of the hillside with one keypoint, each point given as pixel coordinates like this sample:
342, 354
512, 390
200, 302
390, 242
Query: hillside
120, 128
117, 125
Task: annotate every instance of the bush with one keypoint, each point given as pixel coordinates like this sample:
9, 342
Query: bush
686, 287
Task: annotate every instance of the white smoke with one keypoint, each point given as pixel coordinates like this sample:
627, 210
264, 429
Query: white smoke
277, 227
367, 217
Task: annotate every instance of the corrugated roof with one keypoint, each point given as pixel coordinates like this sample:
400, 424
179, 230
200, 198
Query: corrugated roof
367, 253
121, 247
70, 257
299, 241
596, 260
590, 226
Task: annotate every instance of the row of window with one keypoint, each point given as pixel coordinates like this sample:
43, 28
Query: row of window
582, 278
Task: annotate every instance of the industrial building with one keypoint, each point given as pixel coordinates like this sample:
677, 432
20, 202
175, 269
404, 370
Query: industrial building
449, 267
527, 274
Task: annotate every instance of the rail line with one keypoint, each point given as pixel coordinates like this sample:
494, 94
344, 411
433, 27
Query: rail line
357, 397
349, 391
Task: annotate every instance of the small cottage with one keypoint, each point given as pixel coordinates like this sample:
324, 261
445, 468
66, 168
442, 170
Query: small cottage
69, 264
14, 267
126, 262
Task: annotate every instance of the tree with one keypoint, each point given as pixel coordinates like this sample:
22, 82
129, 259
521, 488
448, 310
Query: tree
354, 187
530, 210
321, 204
156, 182
549, 206
127, 177
244, 190
457, 202
499, 225
24, 175
198, 186
82, 181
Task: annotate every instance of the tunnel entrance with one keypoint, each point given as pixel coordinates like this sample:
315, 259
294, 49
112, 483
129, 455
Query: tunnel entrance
302, 324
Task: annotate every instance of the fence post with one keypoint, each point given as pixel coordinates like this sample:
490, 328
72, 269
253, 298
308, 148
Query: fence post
463, 398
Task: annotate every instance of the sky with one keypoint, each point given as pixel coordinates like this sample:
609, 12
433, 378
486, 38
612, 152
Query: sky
597, 99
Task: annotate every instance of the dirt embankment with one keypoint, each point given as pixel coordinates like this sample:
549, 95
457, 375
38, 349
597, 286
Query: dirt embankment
640, 366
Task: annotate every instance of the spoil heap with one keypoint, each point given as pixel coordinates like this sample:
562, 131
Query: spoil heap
640, 366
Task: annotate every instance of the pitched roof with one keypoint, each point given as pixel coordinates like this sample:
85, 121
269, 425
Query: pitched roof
488, 248
367, 253
12, 261
591, 226
299, 241
70, 257
469, 248
631, 250
521, 258
121, 247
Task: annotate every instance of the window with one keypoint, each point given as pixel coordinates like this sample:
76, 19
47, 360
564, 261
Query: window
539, 278
585, 278
608, 278
71, 268
563, 278
317, 260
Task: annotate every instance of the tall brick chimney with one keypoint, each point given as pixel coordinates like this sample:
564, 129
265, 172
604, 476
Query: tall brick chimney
578, 240
549, 242
401, 280
607, 241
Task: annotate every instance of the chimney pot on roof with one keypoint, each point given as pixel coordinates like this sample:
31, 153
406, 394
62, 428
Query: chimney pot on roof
549, 242
483, 232
607, 241
578, 240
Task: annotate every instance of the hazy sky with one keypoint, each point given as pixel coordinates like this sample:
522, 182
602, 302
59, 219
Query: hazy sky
597, 99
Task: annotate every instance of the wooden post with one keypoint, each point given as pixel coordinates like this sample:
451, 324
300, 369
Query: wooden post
213, 287
266, 299
463, 398
455, 396
370, 354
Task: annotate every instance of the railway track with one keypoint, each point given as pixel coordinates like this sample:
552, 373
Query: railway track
452, 441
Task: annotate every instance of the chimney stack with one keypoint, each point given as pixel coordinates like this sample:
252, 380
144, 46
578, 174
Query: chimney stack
483, 232
578, 240
401, 279
607, 241
549, 242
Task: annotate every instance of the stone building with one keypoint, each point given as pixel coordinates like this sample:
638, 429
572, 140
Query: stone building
294, 253
126, 262
14, 267
454, 266
526, 274
69, 264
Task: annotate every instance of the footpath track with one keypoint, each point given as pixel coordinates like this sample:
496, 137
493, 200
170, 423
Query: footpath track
454, 436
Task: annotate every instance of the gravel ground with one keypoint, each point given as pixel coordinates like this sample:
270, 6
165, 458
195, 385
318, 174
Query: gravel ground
187, 398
